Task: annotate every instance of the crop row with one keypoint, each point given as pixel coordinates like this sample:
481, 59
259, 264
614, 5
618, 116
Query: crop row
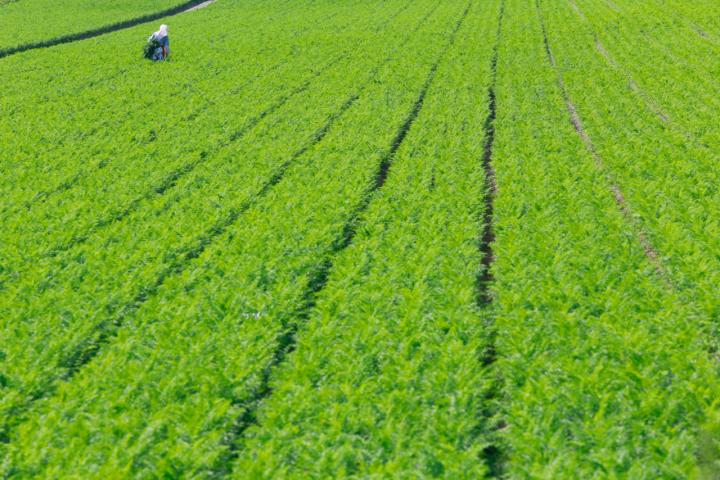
202, 65
280, 272
118, 52
183, 367
121, 176
39, 22
89, 288
670, 182
113, 110
387, 377
603, 368
701, 15
657, 55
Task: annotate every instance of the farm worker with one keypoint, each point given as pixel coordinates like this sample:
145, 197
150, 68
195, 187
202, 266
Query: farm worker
161, 37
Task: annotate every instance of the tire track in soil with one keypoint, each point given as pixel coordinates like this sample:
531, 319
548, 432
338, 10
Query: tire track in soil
182, 257
704, 35
651, 104
494, 455
613, 6
96, 32
318, 279
641, 234
711, 346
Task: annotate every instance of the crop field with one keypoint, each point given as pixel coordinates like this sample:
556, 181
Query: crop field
38, 23
360, 239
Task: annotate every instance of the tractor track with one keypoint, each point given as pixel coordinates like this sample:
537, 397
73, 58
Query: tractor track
704, 35
650, 103
613, 6
662, 271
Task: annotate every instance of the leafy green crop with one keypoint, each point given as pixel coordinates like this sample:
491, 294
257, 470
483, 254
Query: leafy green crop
140, 239
385, 378
365, 239
604, 368
39, 22
274, 266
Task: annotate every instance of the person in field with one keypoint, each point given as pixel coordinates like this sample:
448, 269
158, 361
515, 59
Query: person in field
161, 42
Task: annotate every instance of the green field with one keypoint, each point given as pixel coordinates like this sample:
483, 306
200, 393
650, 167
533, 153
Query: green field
361, 238
38, 23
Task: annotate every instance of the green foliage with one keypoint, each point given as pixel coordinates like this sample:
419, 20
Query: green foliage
267, 264
83, 291
385, 380
605, 374
246, 289
36, 21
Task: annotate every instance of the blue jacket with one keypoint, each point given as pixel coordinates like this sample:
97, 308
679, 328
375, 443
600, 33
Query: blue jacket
164, 42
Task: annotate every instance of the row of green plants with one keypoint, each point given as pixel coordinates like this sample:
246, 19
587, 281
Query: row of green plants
669, 181
37, 21
168, 393
29, 24
280, 280
387, 379
82, 292
603, 367
120, 56
658, 52
126, 90
700, 15
137, 149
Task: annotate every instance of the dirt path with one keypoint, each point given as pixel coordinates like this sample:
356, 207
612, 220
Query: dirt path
198, 7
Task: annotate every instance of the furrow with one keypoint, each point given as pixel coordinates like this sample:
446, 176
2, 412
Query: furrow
651, 104
633, 85
495, 452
